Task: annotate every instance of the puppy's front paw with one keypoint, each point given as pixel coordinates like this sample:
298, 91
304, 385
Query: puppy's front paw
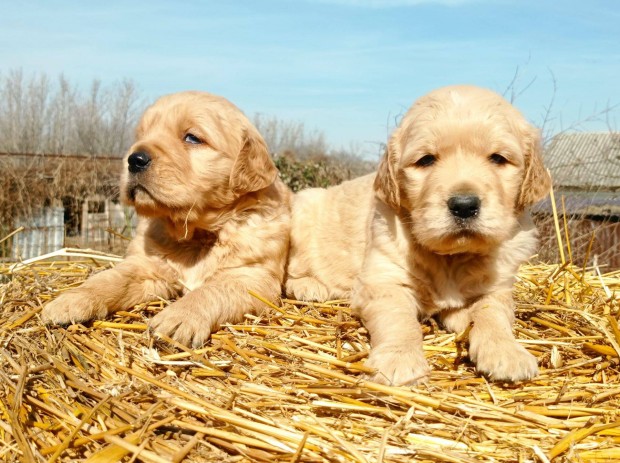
307, 289
503, 360
187, 325
398, 365
73, 307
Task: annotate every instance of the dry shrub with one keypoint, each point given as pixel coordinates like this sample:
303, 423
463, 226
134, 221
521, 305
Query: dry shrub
290, 137
319, 171
30, 183
587, 241
303, 157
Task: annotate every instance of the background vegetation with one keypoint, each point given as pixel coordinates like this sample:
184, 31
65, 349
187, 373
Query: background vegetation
40, 115
50, 134
60, 144
58, 141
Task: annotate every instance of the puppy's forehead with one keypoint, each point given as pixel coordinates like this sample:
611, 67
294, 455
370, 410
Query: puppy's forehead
462, 102
462, 105
195, 106
461, 113
210, 116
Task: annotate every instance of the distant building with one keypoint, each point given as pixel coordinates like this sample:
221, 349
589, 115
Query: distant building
585, 168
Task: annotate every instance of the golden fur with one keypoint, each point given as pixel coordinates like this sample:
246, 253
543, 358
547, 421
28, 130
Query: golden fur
392, 243
214, 223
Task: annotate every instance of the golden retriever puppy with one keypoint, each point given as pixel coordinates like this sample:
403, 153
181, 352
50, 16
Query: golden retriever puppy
441, 228
214, 222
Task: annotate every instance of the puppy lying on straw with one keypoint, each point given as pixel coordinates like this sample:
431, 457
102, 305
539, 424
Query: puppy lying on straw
440, 229
214, 222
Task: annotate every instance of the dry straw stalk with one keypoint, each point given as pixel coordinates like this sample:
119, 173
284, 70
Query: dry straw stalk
288, 385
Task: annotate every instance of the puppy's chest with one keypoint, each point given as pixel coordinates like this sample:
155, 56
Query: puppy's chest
194, 277
195, 263
453, 288
449, 294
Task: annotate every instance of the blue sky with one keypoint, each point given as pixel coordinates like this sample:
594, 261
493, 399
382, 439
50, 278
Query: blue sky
345, 67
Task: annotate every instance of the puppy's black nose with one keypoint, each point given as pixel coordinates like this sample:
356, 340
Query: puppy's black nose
464, 206
138, 161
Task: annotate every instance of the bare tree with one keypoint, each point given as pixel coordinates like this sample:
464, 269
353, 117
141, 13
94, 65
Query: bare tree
60, 118
37, 116
291, 137
122, 104
89, 120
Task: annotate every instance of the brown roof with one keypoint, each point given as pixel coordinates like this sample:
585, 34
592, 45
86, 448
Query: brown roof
597, 204
585, 161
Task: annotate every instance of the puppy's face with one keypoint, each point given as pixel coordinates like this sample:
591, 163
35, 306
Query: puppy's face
464, 163
194, 152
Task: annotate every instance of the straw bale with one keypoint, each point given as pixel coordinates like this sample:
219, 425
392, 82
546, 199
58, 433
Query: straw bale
288, 385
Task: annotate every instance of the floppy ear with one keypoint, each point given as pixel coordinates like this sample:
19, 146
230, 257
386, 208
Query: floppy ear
536, 180
386, 184
253, 169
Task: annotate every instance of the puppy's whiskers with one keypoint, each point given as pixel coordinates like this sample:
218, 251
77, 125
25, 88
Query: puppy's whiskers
185, 226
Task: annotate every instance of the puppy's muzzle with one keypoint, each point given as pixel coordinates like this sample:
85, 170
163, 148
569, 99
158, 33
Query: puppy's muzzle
464, 206
138, 162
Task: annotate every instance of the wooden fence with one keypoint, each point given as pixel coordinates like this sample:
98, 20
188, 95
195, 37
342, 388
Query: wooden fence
43, 234
105, 226
591, 241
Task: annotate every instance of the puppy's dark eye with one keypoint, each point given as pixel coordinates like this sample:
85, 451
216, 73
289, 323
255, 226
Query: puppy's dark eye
427, 160
498, 159
192, 139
